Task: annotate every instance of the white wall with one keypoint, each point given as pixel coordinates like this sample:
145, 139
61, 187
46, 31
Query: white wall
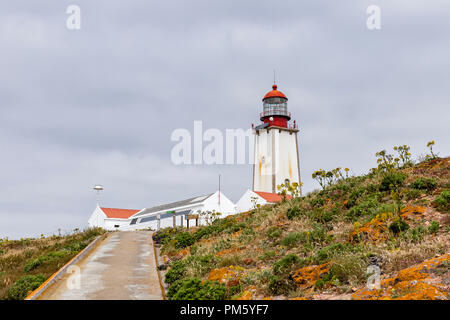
275, 154
111, 222
286, 163
262, 179
97, 218
226, 206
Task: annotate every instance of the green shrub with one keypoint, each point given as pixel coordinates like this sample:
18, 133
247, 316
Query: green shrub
163, 236
414, 235
268, 255
183, 240
325, 254
354, 196
434, 227
387, 207
316, 235
286, 263
176, 272
195, 289
281, 285
236, 227
208, 231
423, 184
443, 201
233, 290
367, 207
324, 216
398, 226
201, 264
327, 279
293, 238
392, 181
47, 258
273, 233
349, 268
20, 289
317, 202
293, 212
413, 194
222, 244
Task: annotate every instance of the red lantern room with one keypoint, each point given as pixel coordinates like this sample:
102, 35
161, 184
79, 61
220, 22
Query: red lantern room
275, 109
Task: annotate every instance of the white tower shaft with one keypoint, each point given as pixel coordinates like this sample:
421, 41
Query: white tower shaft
276, 158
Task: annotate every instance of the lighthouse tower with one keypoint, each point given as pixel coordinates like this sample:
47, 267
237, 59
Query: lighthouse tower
276, 158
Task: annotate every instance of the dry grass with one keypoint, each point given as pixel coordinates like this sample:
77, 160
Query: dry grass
44, 256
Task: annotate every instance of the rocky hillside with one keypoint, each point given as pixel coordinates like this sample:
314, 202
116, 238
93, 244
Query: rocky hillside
328, 244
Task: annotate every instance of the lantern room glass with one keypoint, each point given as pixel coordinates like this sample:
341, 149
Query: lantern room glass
275, 106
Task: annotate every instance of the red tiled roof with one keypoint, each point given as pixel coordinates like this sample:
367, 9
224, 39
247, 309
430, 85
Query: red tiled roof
119, 213
271, 197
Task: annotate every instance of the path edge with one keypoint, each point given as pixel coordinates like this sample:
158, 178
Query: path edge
61, 272
163, 291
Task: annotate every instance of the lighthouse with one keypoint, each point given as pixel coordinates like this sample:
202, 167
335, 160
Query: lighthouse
276, 159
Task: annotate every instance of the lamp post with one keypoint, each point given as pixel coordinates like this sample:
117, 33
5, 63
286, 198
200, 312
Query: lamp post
98, 188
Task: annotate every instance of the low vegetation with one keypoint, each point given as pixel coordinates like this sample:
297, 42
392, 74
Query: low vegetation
320, 246
26, 263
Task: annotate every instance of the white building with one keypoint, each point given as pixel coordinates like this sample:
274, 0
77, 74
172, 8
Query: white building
162, 216
110, 218
166, 215
252, 198
276, 146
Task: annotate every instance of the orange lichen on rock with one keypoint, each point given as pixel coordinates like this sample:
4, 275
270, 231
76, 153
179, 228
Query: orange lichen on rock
306, 277
375, 230
208, 240
230, 251
412, 283
229, 275
248, 293
412, 212
184, 252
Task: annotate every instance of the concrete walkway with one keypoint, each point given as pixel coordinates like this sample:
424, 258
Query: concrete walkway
121, 267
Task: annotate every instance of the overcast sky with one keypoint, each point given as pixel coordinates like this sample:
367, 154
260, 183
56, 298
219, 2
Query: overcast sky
98, 105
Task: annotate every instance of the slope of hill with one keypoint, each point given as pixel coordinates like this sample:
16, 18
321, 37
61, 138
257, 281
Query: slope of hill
394, 219
25, 264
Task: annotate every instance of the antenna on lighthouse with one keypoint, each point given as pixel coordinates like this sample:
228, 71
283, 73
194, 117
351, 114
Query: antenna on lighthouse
274, 77
98, 188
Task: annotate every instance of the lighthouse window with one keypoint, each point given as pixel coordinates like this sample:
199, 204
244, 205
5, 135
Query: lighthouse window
286, 181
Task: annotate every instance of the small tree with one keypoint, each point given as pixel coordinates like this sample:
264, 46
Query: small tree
404, 154
327, 178
432, 155
210, 216
294, 189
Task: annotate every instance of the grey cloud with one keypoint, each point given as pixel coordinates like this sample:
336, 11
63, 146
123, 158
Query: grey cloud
98, 105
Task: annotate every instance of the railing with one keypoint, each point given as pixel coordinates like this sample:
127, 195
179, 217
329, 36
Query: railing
269, 113
293, 126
